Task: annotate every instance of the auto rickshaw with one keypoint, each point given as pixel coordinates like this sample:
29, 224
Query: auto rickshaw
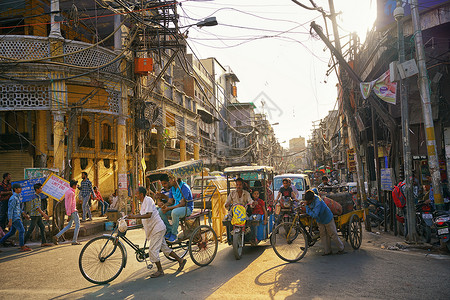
242, 228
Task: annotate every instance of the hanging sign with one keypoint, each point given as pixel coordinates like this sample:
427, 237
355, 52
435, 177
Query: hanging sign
382, 87
55, 187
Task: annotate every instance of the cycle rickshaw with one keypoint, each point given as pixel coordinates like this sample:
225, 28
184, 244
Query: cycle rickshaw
251, 231
103, 258
291, 240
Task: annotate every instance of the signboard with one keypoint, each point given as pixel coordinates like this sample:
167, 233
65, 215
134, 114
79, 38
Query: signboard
351, 163
28, 187
123, 182
55, 187
386, 179
31, 173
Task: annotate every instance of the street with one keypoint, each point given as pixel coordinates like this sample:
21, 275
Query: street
370, 272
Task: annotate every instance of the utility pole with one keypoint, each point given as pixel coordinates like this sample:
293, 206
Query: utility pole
348, 111
424, 89
407, 162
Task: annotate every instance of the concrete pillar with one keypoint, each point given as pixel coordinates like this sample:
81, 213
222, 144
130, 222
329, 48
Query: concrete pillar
55, 28
160, 156
122, 163
183, 150
41, 138
117, 34
58, 140
196, 150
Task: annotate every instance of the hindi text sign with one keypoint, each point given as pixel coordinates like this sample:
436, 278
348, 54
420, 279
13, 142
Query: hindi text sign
55, 187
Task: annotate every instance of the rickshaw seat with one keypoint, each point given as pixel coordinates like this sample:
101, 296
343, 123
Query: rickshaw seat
196, 215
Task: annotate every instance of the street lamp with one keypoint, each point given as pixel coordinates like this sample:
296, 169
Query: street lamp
208, 22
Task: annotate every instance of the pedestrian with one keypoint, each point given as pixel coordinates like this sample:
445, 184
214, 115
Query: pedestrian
71, 211
5, 194
317, 209
37, 214
85, 194
103, 203
14, 214
154, 232
114, 200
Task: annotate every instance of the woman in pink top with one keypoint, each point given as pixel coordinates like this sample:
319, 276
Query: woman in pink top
71, 211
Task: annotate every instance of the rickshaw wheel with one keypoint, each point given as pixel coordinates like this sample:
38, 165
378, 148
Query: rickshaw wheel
180, 248
203, 245
237, 245
289, 242
355, 231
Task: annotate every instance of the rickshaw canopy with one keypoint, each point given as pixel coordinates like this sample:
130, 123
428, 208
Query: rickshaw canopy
243, 169
178, 170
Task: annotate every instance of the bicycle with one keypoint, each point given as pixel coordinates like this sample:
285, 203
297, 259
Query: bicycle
291, 240
103, 258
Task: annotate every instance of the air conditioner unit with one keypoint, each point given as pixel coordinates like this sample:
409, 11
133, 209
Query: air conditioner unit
171, 132
173, 144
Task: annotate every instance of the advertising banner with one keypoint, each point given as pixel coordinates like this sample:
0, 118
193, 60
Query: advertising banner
382, 87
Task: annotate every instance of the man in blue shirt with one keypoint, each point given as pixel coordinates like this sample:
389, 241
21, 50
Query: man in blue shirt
14, 214
178, 206
318, 210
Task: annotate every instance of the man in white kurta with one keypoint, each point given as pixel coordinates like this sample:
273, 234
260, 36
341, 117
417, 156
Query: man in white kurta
154, 232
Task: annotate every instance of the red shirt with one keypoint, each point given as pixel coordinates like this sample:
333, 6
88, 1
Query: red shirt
259, 207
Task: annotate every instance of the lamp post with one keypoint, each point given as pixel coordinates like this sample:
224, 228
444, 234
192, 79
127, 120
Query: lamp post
410, 207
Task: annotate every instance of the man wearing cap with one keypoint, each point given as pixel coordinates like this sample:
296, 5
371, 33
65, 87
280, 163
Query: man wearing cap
318, 210
14, 214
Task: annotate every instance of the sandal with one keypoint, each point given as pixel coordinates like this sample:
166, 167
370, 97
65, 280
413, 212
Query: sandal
24, 249
157, 274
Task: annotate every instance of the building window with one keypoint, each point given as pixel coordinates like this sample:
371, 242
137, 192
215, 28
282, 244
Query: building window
107, 163
106, 137
83, 163
84, 129
84, 139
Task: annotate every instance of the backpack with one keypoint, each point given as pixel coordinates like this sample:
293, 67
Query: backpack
398, 195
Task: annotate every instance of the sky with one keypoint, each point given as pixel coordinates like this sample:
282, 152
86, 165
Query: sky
280, 65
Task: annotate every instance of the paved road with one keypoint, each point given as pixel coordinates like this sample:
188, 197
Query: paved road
371, 272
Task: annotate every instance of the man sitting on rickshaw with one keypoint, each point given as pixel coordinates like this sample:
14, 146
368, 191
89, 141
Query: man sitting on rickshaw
176, 206
239, 195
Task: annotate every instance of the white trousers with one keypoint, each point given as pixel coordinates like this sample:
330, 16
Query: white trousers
157, 243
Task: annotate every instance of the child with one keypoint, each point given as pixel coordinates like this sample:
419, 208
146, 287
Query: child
14, 213
36, 216
259, 207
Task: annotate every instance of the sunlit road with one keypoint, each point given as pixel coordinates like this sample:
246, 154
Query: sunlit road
370, 272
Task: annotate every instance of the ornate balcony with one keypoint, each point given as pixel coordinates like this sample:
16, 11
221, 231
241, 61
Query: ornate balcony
23, 47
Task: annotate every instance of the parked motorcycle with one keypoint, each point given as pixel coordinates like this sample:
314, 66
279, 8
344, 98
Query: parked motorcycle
424, 220
376, 212
442, 223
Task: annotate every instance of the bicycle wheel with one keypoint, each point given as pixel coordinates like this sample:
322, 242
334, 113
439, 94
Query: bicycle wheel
203, 245
101, 261
289, 242
180, 248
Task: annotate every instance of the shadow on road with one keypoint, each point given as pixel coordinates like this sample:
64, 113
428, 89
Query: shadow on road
314, 273
193, 282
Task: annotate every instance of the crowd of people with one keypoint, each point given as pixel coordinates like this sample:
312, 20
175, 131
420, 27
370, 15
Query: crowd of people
13, 214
